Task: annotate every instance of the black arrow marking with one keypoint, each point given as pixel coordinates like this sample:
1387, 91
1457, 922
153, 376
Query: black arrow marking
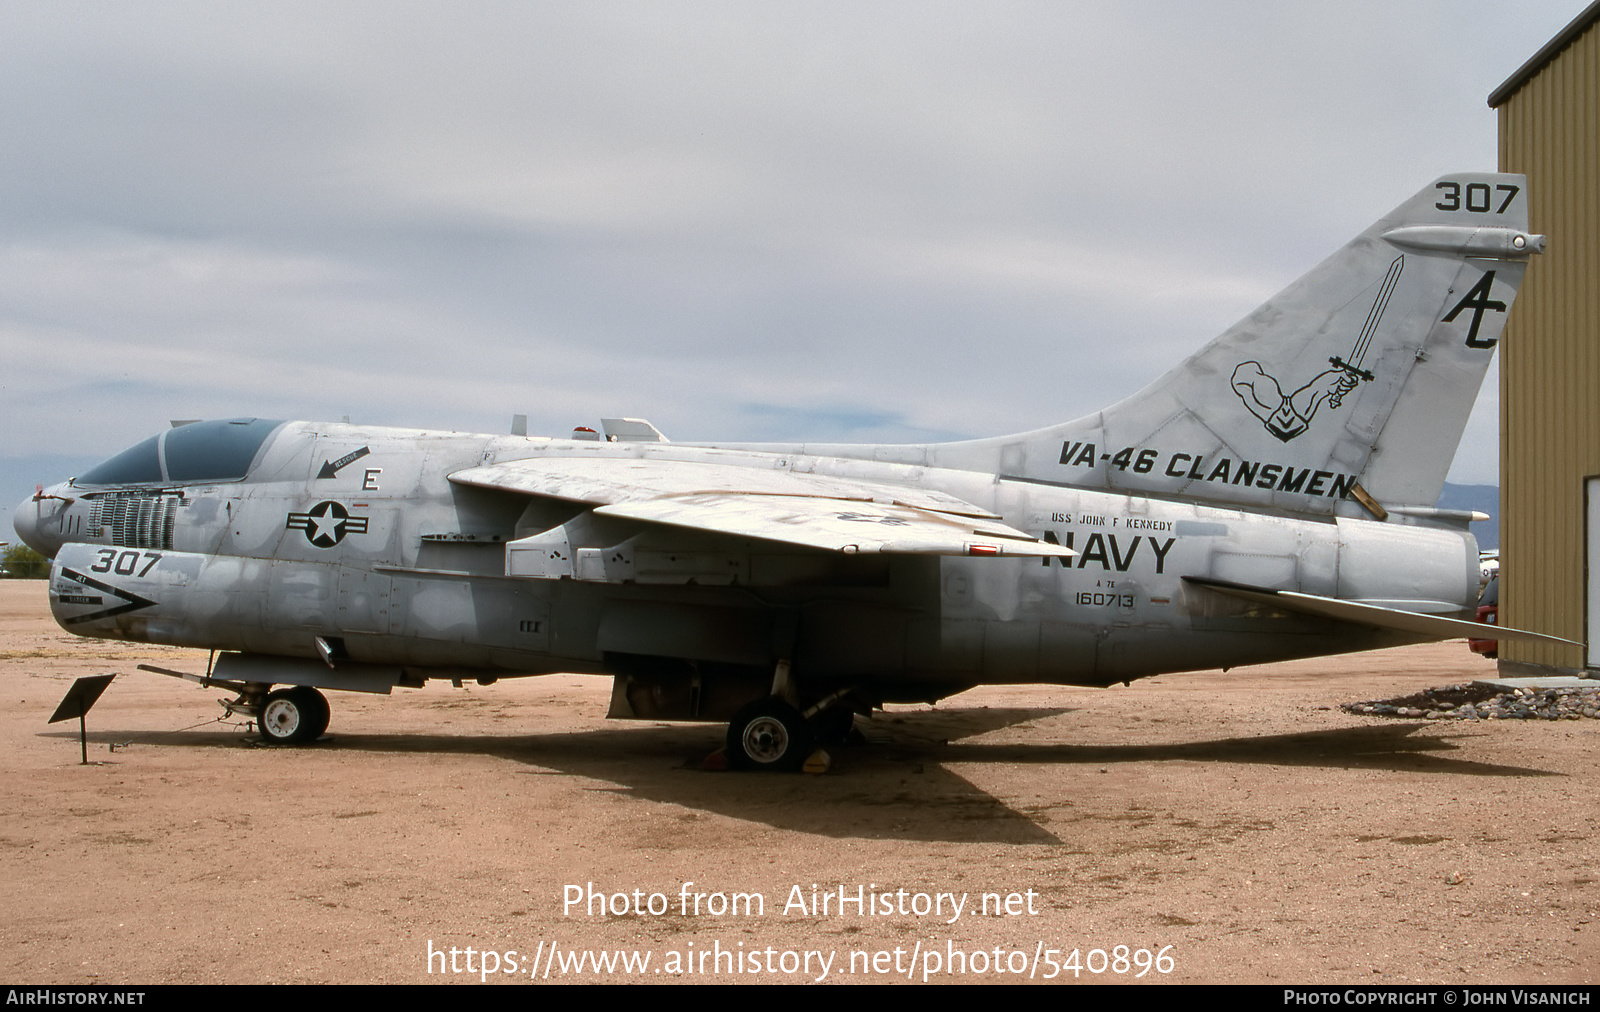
135, 602
331, 468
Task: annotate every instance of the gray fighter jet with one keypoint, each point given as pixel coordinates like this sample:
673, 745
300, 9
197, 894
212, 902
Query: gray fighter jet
1272, 497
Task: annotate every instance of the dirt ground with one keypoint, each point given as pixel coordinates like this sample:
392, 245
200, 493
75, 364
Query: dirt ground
1224, 827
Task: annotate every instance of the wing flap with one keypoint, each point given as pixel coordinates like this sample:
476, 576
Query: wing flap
1431, 626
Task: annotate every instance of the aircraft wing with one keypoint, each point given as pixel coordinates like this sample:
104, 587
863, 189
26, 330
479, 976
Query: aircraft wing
812, 511
608, 480
1432, 626
836, 524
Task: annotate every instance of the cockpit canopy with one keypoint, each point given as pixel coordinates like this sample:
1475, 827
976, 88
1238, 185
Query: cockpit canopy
220, 450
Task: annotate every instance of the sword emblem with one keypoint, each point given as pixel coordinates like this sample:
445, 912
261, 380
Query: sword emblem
1288, 415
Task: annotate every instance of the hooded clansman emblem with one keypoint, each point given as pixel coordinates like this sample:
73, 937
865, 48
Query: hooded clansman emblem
326, 524
1288, 415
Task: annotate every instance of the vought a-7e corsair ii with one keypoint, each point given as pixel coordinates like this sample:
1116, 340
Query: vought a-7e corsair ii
1272, 497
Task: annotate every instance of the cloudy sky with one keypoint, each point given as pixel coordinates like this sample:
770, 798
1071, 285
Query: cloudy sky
844, 221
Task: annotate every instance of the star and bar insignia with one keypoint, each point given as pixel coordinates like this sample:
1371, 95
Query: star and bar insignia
326, 524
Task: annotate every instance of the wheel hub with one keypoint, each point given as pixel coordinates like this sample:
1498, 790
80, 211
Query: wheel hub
282, 716
766, 739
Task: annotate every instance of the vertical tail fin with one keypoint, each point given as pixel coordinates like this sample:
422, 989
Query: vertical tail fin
1360, 375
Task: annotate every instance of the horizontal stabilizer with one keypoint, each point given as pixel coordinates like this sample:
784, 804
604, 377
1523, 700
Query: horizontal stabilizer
1430, 626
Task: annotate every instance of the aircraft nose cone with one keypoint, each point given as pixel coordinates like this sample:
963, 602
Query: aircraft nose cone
26, 522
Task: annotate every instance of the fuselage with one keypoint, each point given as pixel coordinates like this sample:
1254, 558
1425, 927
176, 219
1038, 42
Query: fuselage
356, 536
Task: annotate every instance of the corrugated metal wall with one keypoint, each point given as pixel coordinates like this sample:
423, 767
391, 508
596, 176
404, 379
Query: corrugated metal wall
1550, 356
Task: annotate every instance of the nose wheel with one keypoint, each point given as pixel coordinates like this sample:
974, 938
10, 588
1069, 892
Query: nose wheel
293, 716
768, 734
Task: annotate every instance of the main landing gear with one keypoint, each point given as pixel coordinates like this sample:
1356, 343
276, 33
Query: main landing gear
768, 734
293, 716
773, 734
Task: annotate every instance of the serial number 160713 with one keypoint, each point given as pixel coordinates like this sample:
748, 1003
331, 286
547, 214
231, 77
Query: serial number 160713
1100, 599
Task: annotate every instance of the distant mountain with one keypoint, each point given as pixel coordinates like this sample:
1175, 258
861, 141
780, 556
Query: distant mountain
1484, 499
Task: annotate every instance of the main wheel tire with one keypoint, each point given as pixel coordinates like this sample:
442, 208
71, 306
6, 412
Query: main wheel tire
322, 711
293, 716
768, 734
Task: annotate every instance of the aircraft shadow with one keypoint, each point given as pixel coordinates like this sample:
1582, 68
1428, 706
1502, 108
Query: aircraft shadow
878, 791
1384, 747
